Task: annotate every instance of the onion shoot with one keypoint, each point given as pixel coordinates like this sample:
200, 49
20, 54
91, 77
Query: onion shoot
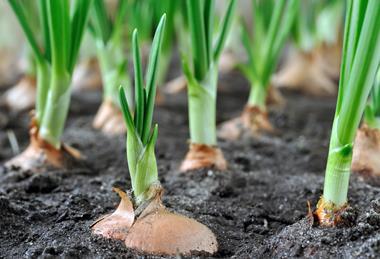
202, 79
145, 224
272, 23
360, 61
62, 25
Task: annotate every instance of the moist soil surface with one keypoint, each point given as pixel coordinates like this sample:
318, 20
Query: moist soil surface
257, 208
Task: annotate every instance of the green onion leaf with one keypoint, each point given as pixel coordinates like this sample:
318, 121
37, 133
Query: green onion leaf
45, 28
198, 37
102, 23
151, 77
78, 24
360, 61
225, 28
139, 85
125, 109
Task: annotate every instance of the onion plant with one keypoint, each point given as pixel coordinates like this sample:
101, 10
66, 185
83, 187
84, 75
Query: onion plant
142, 136
108, 34
62, 25
313, 66
143, 223
272, 21
360, 61
202, 79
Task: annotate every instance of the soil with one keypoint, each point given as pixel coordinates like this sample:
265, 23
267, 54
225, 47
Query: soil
257, 208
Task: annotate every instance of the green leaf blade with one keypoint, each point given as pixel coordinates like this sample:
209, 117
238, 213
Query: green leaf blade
146, 169
125, 110
59, 20
151, 76
225, 28
77, 25
362, 73
198, 37
139, 84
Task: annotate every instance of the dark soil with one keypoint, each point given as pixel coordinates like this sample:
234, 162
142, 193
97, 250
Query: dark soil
257, 208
